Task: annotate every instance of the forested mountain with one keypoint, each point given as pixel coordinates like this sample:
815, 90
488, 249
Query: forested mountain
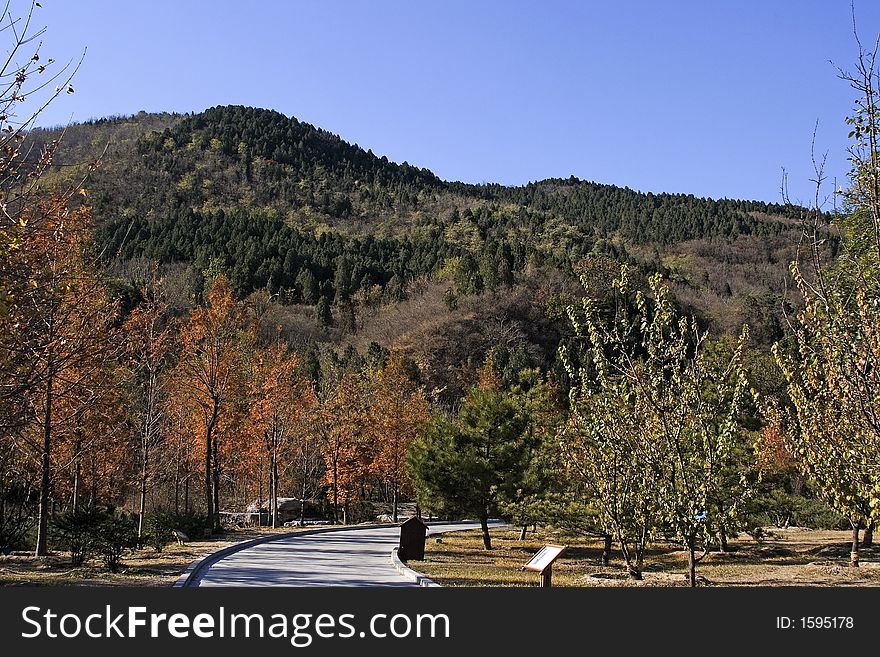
341, 235
232, 318
319, 322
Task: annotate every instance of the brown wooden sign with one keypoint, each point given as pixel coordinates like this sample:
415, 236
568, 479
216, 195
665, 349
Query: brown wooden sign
542, 562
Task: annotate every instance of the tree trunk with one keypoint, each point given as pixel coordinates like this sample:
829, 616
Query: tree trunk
854, 553
209, 493
260, 494
722, 539
216, 521
798, 483
45, 464
692, 566
302, 503
93, 489
143, 496
484, 525
77, 473
335, 491
273, 480
606, 550
394, 502
633, 561
640, 558
177, 484
522, 532
868, 536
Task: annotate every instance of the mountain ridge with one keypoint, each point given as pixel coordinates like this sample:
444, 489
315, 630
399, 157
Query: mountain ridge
200, 120
279, 204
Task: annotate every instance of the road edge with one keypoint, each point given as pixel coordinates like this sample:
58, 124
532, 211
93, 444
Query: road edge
419, 578
410, 574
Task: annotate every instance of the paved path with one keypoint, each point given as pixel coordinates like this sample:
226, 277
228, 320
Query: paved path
348, 557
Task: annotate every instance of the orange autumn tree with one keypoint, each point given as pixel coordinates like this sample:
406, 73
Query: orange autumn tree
397, 415
276, 401
772, 452
64, 332
343, 421
92, 460
181, 431
231, 468
147, 343
34, 368
208, 374
305, 462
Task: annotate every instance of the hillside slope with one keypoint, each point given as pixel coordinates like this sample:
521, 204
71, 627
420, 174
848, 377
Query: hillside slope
281, 205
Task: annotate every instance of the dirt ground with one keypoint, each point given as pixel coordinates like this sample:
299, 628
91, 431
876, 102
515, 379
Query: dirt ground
788, 557
139, 568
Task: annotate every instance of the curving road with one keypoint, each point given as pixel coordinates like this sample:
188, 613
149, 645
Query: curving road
347, 557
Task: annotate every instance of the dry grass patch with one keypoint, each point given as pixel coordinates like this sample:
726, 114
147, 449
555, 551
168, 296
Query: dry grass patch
144, 567
789, 557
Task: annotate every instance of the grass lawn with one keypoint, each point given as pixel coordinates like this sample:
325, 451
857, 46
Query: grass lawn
789, 557
139, 568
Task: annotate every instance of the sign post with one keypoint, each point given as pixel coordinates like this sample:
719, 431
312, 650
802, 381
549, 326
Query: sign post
542, 563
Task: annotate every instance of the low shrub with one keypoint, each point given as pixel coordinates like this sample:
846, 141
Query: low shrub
117, 532
18, 511
361, 511
781, 509
191, 523
159, 526
95, 532
77, 531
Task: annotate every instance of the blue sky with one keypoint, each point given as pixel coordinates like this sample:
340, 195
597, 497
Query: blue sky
710, 98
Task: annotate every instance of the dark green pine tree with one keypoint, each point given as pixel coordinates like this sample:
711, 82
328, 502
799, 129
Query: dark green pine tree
310, 363
346, 319
464, 467
467, 276
489, 271
342, 280
308, 286
322, 313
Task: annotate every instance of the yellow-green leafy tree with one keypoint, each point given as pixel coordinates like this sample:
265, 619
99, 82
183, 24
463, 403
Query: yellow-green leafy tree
833, 374
654, 422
